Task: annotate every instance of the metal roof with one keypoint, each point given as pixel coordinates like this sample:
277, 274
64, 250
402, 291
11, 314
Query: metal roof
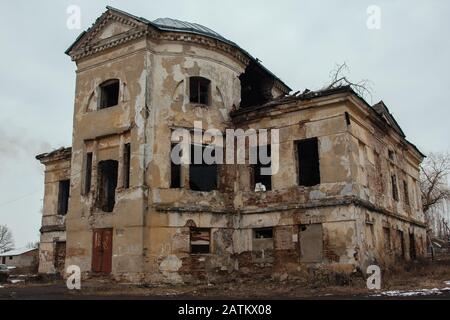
169, 24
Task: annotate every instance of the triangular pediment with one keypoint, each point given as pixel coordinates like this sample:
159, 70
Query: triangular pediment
111, 27
384, 113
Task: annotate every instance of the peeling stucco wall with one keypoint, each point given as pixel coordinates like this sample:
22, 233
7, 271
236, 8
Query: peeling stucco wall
151, 222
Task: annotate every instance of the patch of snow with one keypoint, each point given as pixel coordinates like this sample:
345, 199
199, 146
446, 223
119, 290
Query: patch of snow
447, 283
15, 281
421, 292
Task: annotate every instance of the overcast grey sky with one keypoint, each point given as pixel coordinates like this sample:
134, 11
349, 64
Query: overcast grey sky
408, 61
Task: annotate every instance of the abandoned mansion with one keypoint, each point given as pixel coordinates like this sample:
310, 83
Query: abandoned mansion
345, 195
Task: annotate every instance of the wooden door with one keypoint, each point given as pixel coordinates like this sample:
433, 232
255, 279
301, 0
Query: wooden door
102, 251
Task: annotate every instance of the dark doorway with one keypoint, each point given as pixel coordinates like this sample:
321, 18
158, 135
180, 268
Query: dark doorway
102, 251
60, 256
108, 171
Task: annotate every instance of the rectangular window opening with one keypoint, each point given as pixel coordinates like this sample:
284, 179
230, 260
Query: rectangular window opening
263, 233
391, 155
394, 187
202, 177
200, 240
109, 94
387, 238
262, 181
88, 173
126, 165
63, 197
412, 246
108, 172
199, 90
406, 192
308, 162
347, 119
175, 166
401, 244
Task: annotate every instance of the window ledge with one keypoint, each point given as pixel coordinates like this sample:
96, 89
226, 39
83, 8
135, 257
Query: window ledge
198, 105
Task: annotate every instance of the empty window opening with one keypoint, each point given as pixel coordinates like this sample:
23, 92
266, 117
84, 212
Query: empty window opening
200, 240
263, 245
256, 86
412, 246
109, 94
387, 239
308, 162
400, 244
347, 119
202, 177
263, 233
175, 166
88, 174
126, 165
63, 197
199, 90
311, 243
406, 192
394, 187
259, 179
108, 171
391, 155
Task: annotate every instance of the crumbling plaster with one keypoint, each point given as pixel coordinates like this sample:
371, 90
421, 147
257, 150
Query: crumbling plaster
151, 222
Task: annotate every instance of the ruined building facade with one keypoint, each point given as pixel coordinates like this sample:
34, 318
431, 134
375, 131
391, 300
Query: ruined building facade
346, 194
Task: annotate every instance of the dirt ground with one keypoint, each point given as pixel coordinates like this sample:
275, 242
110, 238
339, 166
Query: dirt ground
420, 280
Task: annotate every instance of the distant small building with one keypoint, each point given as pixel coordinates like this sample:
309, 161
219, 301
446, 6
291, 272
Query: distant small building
20, 258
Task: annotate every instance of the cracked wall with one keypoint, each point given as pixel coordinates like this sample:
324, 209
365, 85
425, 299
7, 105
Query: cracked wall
341, 220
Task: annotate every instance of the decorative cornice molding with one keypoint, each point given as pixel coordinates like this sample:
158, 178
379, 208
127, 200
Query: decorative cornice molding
55, 228
83, 49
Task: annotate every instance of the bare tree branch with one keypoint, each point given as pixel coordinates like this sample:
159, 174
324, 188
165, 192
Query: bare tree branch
433, 181
338, 79
6, 239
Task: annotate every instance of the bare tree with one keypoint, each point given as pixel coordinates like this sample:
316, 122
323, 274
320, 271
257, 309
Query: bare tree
338, 79
6, 239
434, 180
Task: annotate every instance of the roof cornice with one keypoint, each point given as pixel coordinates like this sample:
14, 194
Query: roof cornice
142, 28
